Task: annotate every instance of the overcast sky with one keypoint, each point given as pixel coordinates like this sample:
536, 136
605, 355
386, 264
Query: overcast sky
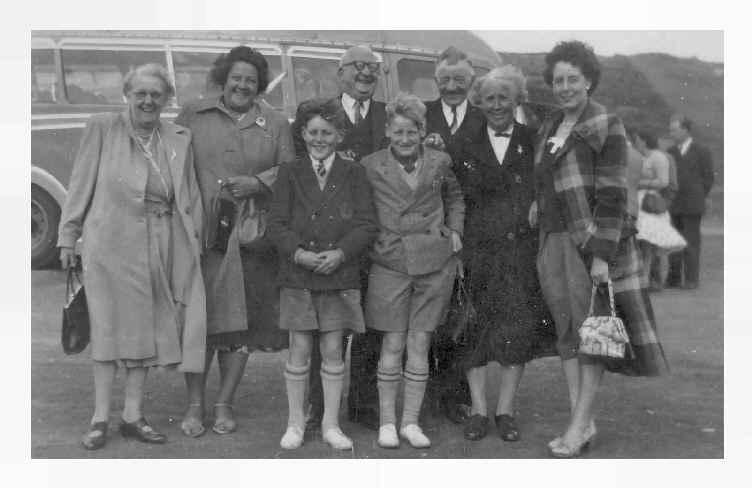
706, 45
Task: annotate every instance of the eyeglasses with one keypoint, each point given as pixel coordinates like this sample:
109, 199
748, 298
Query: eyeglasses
361, 65
141, 95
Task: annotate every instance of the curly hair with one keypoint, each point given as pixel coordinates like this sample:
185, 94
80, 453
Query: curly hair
578, 54
150, 69
408, 106
507, 72
328, 109
224, 63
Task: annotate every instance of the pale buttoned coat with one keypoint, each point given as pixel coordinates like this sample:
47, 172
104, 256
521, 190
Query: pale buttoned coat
106, 207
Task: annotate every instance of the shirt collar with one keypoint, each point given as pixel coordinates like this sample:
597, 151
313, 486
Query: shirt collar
492, 132
461, 109
327, 162
685, 145
349, 102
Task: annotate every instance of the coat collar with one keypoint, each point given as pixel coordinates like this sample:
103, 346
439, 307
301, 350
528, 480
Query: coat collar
175, 141
483, 150
258, 114
592, 128
391, 170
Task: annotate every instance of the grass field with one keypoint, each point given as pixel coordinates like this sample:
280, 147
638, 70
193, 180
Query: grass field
677, 416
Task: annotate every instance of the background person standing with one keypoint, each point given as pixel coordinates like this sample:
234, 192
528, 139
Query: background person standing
694, 168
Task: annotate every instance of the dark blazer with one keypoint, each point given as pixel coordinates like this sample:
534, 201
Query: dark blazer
376, 117
694, 173
469, 132
342, 216
415, 225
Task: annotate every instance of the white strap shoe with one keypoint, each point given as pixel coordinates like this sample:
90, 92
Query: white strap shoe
415, 436
388, 437
292, 439
335, 438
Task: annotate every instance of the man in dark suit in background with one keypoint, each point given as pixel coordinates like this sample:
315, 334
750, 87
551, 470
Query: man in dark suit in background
694, 169
358, 74
453, 122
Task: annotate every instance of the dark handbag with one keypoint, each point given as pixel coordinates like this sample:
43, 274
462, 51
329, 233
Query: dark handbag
76, 327
654, 203
251, 223
462, 316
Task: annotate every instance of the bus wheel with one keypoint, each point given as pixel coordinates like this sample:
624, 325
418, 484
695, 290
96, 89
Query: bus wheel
45, 217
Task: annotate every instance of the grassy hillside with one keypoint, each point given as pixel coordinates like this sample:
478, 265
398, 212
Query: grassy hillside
645, 89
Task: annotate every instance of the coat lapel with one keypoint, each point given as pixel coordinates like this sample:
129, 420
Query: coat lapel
390, 171
175, 147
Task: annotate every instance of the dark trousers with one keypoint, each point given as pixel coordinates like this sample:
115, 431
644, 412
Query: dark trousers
685, 263
364, 361
447, 380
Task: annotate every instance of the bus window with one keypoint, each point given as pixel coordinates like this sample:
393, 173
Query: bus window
274, 93
417, 77
191, 74
96, 76
43, 76
315, 78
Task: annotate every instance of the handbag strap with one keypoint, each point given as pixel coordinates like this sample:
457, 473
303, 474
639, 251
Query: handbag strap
610, 298
69, 284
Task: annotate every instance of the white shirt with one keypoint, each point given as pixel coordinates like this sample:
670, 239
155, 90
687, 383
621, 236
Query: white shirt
461, 111
327, 166
500, 144
685, 146
348, 103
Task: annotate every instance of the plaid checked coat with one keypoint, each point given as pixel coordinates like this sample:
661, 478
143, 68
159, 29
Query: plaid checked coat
590, 183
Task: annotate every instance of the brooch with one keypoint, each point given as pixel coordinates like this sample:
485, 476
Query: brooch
260, 121
519, 149
468, 165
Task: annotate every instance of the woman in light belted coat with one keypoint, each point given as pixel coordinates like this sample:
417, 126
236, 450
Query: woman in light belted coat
134, 199
238, 143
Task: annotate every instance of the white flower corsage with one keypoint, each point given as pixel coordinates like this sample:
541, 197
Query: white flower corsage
556, 143
519, 149
260, 121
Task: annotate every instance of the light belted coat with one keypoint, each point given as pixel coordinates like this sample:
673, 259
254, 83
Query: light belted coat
106, 206
415, 225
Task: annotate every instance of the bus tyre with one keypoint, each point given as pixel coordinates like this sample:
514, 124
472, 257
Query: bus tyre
45, 217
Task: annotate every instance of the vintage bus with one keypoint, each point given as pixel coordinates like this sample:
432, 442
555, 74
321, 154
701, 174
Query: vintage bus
75, 74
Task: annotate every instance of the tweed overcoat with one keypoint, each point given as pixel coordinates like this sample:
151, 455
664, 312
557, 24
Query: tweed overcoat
590, 184
414, 225
105, 206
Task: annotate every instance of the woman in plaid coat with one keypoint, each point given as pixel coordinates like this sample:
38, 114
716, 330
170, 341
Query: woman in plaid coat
587, 235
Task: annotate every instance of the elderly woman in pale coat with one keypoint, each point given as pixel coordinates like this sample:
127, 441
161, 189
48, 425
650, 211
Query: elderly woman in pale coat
134, 199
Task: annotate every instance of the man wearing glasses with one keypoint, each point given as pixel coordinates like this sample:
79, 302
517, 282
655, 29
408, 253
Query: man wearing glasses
358, 74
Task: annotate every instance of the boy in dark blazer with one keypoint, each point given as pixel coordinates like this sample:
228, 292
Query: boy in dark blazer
322, 220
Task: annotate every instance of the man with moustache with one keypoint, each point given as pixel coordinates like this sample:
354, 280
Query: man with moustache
456, 124
358, 75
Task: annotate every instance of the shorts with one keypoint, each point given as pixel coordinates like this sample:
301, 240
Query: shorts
325, 310
398, 302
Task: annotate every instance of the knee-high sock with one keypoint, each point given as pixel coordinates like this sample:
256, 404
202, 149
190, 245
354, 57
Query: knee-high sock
388, 382
332, 378
296, 379
415, 389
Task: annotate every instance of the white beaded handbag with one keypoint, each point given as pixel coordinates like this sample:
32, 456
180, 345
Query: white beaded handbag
603, 335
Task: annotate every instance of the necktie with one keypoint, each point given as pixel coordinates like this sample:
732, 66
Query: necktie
453, 125
502, 134
320, 168
357, 116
